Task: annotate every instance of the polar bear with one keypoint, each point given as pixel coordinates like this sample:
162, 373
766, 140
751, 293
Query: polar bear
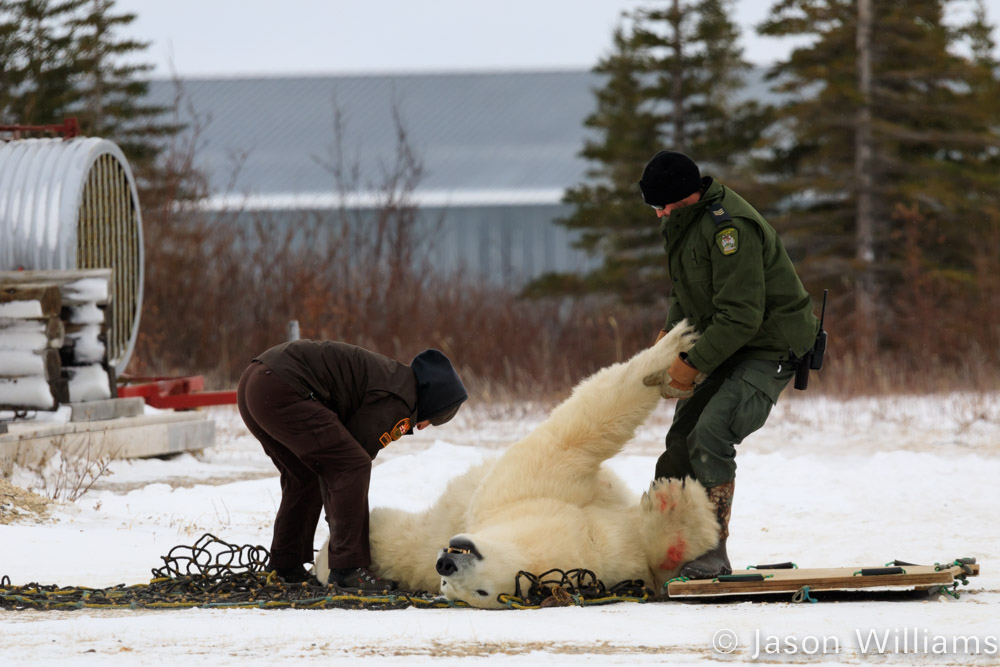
548, 502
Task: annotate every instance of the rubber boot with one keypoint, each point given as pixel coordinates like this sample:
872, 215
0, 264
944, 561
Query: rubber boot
715, 562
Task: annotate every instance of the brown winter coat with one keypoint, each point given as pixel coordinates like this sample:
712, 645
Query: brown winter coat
374, 397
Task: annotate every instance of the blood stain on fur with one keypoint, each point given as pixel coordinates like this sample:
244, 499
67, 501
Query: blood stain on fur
674, 556
666, 502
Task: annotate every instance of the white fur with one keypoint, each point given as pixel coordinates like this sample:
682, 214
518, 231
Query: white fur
548, 502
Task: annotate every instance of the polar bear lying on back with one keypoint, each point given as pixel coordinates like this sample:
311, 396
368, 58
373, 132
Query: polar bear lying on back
548, 502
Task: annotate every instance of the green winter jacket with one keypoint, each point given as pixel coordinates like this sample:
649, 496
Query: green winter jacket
732, 278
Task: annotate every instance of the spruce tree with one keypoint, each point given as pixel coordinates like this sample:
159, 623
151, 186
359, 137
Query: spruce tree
672, 82
37, 61
607, 210
699, 70
65, 58
112, 87
930, 133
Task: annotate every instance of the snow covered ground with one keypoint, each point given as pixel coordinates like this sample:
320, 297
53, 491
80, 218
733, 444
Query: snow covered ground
825, 483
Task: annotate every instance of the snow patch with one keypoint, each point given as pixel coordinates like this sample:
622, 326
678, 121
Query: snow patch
825, 483
21, 309
30, 392
23, 339
88, 383
15, 363
86, 289
88, 313
87, 346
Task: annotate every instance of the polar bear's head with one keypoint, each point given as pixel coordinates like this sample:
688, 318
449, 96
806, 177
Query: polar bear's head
477, 569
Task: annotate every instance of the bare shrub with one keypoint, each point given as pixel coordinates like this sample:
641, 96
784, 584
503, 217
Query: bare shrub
68, 476
221, 287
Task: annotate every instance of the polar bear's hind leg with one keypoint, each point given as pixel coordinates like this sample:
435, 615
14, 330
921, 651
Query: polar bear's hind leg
676, 524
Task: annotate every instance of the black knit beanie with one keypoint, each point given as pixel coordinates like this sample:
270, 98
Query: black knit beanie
669, 177
440, 391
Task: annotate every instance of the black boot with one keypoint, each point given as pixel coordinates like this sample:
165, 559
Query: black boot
360, 580
715, 562
291, 575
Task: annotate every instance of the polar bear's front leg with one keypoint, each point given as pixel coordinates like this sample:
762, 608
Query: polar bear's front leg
564, 454
605, 410
676, 524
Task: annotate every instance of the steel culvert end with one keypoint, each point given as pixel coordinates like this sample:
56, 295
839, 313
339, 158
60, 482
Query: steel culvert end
67, 204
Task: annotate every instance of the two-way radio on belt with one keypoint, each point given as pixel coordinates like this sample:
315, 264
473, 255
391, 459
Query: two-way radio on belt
813, 359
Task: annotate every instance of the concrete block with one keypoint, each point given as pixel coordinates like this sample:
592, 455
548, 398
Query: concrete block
110, 408
28, 444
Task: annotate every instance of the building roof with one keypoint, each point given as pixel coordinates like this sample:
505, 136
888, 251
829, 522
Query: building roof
509, 136
492, 131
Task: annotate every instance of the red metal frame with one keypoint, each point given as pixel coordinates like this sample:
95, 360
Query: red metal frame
183, 393
70, 128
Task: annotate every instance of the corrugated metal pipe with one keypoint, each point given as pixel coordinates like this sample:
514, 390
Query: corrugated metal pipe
73, 204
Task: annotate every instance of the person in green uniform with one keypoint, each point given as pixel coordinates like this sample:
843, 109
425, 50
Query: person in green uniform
733, 280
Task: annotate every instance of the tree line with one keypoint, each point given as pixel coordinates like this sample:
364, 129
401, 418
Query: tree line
878, 158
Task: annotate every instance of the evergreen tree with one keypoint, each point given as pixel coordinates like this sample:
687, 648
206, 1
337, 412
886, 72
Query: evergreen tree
612, 219
931, 122
670, 83
111, 87
64, 58
695, 57
977, 34
37, 61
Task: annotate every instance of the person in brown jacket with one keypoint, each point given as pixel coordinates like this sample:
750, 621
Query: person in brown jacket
322, 410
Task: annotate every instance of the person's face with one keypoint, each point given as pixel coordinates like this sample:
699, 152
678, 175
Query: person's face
423, 424
669, 208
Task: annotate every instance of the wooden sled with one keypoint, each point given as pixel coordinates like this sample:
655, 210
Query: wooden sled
786, 578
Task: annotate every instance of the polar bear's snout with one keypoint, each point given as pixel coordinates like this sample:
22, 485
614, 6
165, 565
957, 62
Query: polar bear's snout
460, 550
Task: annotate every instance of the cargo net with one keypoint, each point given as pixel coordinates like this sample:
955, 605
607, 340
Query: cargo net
213, 573
558, 588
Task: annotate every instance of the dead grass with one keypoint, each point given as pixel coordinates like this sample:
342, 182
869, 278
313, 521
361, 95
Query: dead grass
221, 287
17, 504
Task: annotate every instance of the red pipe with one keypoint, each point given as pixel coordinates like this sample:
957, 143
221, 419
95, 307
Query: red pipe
70, 128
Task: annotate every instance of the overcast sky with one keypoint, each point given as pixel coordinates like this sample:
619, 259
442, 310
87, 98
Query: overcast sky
231, 37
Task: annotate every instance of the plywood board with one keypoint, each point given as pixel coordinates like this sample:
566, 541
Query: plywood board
827, 579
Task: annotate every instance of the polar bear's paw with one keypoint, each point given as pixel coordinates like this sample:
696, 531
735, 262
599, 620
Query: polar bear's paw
676, 524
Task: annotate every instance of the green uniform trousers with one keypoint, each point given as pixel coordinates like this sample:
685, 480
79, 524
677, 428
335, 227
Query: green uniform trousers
726, 407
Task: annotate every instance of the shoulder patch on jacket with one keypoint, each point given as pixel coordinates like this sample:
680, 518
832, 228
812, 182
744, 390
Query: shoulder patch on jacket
397, 432
728, 241
719, 214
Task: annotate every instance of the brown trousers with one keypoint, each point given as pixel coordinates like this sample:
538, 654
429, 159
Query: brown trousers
319, 469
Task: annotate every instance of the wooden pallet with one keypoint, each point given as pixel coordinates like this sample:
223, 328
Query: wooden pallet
770, 580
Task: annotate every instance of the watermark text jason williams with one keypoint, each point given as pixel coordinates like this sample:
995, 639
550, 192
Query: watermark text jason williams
864, 641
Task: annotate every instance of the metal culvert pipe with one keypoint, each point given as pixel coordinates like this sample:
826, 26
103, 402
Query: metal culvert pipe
73, 204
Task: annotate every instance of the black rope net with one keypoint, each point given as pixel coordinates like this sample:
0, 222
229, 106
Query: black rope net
571, 587
214, 573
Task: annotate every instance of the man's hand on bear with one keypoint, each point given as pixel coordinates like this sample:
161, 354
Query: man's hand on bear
678, 380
